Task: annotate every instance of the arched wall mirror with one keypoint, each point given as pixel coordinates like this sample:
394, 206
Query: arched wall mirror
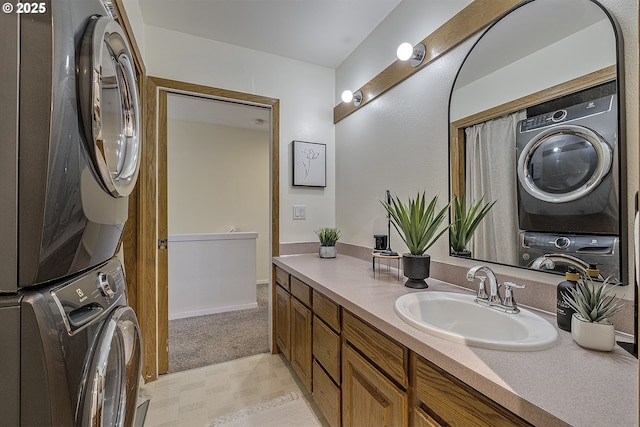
536, 125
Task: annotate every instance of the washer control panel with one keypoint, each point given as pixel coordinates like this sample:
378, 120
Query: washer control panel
91, 294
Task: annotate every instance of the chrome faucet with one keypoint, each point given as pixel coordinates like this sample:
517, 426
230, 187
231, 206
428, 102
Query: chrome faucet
494, 294
494, 299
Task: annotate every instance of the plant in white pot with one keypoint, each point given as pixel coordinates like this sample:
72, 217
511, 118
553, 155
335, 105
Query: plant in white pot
419, 225
328, 238
465, 222
594, 305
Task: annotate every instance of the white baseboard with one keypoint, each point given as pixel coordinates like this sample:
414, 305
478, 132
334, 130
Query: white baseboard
262, 282
196, 313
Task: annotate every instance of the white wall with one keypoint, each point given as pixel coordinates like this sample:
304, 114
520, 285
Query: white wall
218, 178
400, 141
306, 99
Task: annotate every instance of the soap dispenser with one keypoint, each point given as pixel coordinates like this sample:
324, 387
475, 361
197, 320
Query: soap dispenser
563, 310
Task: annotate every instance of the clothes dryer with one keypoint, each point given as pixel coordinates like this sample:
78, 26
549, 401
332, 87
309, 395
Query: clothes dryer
71, 353
567, 169
70, 126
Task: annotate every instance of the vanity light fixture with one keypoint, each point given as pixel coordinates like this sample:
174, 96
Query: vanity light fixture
348, 96
415, 54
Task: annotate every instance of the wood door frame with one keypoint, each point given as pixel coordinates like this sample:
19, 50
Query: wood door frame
153, 208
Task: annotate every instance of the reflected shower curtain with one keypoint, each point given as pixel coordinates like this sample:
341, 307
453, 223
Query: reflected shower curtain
491, 172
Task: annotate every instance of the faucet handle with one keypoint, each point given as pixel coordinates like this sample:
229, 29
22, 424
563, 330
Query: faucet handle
509, 301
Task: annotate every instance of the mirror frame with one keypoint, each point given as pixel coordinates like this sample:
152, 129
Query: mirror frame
457, 137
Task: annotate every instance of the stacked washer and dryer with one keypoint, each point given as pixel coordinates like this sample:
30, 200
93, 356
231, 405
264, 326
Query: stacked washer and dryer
569, 186
69, 156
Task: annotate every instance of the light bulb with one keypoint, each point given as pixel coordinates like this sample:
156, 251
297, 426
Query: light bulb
405, 51
347, 96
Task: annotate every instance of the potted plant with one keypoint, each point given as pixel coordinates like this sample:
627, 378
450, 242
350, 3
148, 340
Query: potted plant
418, 224
328, 237
464, 223
593, 305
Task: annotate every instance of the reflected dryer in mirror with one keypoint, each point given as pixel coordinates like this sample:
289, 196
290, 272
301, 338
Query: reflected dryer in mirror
536, 125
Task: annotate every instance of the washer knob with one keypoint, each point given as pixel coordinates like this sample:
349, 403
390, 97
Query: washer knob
107, 285
562, 242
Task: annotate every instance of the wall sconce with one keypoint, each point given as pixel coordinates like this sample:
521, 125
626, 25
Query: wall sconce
348, 96
415, 54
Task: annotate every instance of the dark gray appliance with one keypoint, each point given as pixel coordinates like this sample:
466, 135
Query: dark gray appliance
604, 251
71, 353
568, 172
70, 152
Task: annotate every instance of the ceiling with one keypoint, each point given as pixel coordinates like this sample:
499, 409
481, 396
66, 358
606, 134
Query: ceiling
321, 32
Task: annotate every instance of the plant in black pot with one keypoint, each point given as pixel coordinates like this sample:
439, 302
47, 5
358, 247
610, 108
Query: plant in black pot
464, 223
418, 224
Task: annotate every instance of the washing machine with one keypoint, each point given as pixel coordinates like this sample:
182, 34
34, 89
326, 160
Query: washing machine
70, 152
71, 353
568, 171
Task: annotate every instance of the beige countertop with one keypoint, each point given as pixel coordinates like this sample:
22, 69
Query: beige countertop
564, 384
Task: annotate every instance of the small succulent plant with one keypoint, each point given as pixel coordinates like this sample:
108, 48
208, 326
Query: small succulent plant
594, 303
328, 236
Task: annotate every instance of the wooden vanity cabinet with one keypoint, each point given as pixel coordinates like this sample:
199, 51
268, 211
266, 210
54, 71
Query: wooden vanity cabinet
282, 325
374, 376
360, 376
301, 341
442, 399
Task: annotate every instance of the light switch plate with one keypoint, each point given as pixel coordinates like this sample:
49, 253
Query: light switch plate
299, 212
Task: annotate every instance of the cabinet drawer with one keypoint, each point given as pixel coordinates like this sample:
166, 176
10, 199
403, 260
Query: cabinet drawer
455, 402
326, 348
282, 278
327, 310
326, 395
301, 291
386, 353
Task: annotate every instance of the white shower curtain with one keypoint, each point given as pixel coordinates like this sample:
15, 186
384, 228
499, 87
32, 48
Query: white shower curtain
491, 173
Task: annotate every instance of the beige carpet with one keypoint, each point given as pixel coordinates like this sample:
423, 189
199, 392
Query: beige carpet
205, 340
290, 410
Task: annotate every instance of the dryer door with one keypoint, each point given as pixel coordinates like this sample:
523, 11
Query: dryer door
109, 105
110, 387
564, 163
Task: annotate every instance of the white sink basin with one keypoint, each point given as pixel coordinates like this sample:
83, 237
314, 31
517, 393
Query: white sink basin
458, 318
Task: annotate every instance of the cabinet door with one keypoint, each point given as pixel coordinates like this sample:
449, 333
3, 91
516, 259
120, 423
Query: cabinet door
283, 313
301, 341
368, 397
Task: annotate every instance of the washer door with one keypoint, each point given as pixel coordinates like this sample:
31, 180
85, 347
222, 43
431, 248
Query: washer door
564, 163
109, 105
110, 388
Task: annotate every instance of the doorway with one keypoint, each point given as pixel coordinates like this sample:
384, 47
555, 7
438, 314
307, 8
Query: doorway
153, 224
218, 230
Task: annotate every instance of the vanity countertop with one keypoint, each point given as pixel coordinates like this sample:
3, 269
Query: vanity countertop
565, 383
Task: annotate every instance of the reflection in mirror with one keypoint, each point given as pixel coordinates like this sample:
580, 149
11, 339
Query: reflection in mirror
535, 125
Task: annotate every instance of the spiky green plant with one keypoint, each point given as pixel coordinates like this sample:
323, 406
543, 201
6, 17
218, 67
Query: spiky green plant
594, 303
417, 223
328, 236
464, 222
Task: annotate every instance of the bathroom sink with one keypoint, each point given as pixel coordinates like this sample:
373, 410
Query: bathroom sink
457, 317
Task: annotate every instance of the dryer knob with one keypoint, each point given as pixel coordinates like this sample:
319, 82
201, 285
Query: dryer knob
562, 242
107, 285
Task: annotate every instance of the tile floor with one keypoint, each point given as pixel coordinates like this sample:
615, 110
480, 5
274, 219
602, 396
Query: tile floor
194, 397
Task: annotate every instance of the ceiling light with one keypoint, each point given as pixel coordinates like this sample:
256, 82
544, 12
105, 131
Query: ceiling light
413, 53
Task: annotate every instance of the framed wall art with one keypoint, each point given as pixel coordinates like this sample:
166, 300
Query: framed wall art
309, 164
